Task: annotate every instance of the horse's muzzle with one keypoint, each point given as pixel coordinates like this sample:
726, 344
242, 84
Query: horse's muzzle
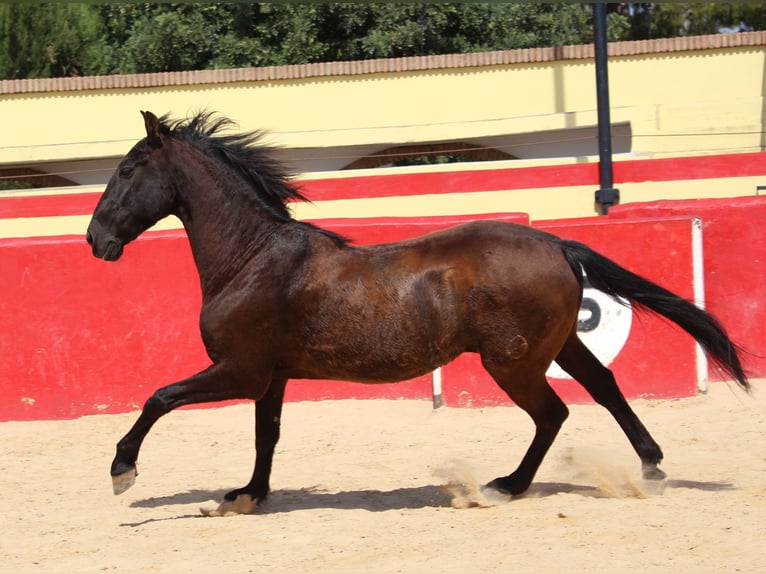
104, 246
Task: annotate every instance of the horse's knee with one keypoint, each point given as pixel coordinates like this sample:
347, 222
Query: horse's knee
546, 407
157, 405
551, 418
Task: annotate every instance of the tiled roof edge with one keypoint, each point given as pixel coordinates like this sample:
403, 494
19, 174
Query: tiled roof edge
382, 65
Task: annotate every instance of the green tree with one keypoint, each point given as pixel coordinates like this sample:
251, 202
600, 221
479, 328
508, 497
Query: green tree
44, 40
51, 39
297, 33
667, 20
160, 37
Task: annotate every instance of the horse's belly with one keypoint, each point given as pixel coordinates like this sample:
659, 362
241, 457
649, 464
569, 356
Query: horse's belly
368, 359
361, 374
389, 330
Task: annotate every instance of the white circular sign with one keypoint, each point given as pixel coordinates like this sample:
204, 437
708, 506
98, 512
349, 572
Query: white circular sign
603, 325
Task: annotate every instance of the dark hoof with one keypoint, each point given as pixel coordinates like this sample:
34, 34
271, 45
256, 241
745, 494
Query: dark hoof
507, 486
255, 494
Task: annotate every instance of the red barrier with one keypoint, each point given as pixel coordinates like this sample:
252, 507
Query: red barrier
81, 336
734, 254
453, 181
534, 177
48, 205
657, 358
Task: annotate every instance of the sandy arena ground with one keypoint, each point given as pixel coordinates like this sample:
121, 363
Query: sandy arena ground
358, 487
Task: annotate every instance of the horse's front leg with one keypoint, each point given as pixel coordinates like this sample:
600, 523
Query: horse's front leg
211, 385
268, 413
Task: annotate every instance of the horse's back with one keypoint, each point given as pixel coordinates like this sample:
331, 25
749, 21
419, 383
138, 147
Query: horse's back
487, 249
478, 256
482, 229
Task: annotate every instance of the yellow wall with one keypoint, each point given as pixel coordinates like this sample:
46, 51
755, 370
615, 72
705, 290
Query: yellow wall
677, 103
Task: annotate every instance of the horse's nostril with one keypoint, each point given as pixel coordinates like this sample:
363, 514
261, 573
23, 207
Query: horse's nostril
88, 237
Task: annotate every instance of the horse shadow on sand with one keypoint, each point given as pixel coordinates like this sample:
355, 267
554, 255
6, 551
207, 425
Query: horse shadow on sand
453, 495
315, 498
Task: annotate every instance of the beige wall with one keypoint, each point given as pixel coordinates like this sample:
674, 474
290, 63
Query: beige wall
691, 102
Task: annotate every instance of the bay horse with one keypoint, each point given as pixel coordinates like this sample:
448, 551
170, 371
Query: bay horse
286, 299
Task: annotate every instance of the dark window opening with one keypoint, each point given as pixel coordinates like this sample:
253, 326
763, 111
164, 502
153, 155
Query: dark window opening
429, 154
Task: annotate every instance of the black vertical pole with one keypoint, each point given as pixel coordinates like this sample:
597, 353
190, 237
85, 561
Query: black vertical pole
606, 195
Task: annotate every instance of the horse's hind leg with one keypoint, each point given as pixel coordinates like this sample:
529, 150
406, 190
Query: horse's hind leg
533, 394
577, 360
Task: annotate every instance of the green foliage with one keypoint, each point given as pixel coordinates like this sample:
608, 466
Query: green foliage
53, 39
650, 20
46, 40
13, 184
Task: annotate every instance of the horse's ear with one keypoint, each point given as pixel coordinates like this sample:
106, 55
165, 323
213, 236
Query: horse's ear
152, 125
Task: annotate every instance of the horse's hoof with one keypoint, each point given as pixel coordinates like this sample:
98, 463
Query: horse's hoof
243, 504
123, 481
493, 496
650, 471
507, 486
498, 485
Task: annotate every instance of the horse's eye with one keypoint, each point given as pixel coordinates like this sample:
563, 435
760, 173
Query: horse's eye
126, 171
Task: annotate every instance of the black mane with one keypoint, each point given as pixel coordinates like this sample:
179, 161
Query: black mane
266, 176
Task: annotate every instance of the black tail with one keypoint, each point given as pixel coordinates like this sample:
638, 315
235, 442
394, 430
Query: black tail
605, 275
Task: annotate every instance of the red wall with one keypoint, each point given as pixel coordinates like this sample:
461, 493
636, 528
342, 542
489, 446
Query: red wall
92, 337
531, 178
734, 253
81, 336
407, 184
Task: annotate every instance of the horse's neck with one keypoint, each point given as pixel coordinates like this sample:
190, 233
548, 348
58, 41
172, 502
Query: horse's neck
225, 225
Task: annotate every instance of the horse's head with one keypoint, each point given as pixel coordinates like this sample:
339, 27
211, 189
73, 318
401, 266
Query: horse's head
138, 195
